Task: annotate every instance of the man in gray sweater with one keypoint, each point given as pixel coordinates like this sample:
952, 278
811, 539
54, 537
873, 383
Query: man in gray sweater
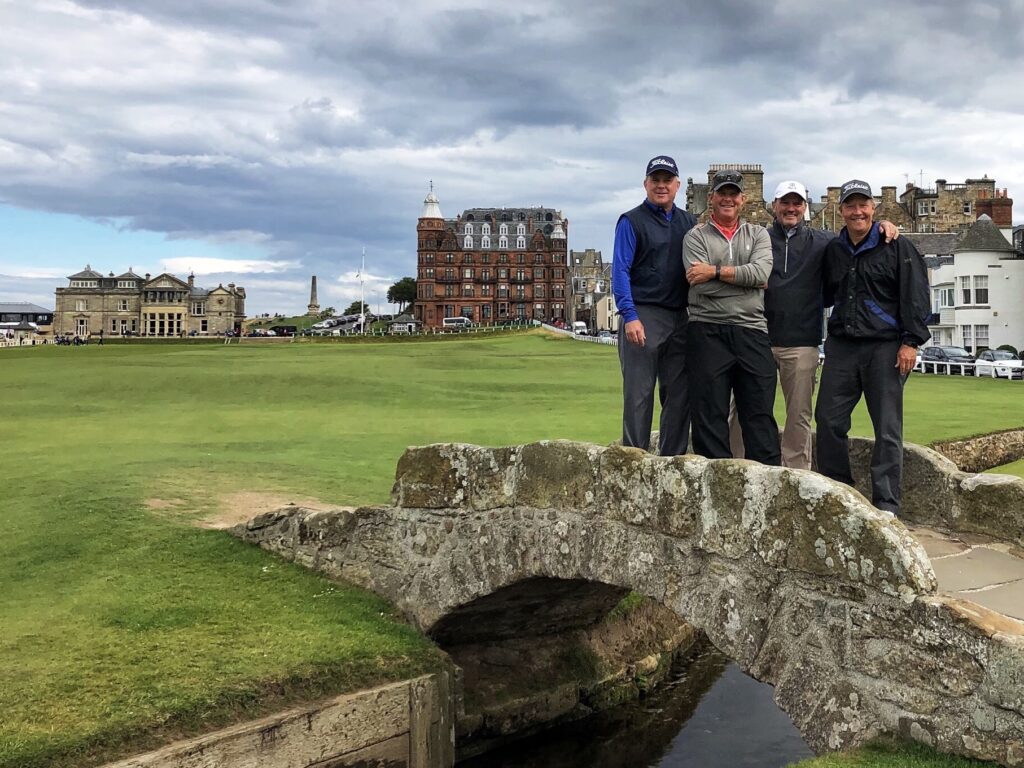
727, 263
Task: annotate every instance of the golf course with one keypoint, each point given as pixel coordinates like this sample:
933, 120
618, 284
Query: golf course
127, 618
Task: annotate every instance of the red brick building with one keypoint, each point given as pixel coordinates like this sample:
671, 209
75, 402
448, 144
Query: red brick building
492, 265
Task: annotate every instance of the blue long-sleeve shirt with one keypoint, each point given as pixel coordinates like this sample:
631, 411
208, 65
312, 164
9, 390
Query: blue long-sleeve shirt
623, 254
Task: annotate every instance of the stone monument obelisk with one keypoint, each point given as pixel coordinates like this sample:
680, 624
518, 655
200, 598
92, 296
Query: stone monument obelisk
314, 307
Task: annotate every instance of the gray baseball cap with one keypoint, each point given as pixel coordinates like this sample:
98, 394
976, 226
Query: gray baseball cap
855, 187
727, 177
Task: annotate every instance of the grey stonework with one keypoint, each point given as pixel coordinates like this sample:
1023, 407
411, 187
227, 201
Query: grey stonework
795, 577
976, 454
401, 725
936, 492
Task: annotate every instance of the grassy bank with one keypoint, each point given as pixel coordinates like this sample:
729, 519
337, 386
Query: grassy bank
120, 619
890, 754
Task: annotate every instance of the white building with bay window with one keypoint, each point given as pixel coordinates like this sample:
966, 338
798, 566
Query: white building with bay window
978, 300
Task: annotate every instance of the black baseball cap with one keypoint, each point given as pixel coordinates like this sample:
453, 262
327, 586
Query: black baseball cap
727, 177
855, 187
662, 163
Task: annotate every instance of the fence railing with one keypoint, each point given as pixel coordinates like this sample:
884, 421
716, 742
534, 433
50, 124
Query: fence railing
613, 339
944, 368
37, 342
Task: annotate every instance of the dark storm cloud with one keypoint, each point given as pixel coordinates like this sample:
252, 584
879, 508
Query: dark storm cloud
315, 127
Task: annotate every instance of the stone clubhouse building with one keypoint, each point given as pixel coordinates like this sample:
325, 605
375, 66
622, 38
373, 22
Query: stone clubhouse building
133, 305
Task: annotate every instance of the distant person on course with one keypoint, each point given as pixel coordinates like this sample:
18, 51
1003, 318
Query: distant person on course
650, 293
881, 302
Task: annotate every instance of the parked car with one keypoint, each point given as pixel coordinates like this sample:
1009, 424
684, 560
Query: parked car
604, 335
999, 363
942, 359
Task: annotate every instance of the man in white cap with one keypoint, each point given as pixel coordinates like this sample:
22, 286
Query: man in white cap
794, 309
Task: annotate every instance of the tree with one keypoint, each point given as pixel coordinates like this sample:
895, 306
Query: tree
403, 293
353, 309
325, 313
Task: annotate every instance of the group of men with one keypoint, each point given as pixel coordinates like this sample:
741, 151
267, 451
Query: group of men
713, 313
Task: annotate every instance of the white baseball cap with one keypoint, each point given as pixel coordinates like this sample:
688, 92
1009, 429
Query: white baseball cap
791, 188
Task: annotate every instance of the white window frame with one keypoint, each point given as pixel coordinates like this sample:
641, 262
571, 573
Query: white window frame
980, 284
966, 294
981, 337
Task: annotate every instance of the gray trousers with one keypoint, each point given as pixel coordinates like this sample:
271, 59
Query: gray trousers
852, 368
661, 361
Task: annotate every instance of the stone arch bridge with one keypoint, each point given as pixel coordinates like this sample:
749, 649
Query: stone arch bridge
795, 577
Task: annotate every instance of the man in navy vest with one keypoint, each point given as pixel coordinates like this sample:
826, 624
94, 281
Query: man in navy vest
650, 291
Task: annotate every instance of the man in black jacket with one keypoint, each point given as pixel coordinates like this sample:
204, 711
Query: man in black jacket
879, 293
793, 306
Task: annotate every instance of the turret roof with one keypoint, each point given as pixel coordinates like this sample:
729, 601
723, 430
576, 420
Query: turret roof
984, 235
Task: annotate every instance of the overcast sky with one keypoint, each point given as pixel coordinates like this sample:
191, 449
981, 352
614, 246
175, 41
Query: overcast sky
263, 141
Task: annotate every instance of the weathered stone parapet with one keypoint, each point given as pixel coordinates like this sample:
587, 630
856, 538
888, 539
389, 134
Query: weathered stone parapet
936, 493
795, 577
405, 725
976, 454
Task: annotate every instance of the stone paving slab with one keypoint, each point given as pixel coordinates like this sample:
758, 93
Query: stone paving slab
977, 568
982, 570
1007, 599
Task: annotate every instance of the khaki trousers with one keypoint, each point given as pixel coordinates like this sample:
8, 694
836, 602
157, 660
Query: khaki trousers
798, 373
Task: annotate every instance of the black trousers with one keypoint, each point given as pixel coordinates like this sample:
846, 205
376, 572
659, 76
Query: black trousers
855, 367
729, 360
661, 361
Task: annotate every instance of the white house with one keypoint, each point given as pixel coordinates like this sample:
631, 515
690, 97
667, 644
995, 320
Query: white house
979, 298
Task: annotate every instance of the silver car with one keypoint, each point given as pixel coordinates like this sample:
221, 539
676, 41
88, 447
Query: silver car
999, 363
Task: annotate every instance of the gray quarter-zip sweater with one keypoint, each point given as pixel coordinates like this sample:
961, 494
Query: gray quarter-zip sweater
740, 303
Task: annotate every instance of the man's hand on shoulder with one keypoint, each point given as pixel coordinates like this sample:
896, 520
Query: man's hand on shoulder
635, 333
889, 231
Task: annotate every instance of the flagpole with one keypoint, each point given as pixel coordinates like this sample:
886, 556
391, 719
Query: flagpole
362, 306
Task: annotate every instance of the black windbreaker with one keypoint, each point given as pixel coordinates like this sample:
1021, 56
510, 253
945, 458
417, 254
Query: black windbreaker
793, 300
881, 293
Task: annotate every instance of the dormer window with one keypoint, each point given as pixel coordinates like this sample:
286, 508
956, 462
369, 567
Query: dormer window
485, 241
503, 229
485, 229
520, 242
468, 230
503, 242
520, 229
468, 242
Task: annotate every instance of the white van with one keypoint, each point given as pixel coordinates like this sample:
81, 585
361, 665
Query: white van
579, 327
456, 322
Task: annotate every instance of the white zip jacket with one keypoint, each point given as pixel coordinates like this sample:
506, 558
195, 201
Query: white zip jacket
739, 303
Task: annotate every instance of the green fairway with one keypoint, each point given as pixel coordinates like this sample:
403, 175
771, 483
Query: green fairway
119, 617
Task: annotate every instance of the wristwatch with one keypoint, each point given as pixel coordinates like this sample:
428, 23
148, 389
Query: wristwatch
718, 271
